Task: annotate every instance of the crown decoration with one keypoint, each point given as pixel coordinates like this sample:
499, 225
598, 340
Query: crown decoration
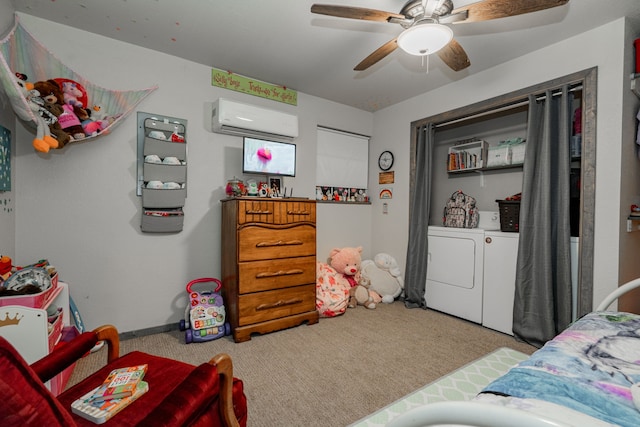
10, 321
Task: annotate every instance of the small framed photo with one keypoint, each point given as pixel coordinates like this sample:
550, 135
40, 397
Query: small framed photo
275, 186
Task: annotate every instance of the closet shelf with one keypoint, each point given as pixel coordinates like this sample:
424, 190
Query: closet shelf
485, 169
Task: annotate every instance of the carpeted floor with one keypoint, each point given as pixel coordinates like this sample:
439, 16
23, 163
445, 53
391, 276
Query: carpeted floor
337, 371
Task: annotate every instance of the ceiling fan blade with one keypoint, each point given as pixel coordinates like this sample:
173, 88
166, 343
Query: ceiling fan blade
454, 56
493, 9
354, 12
377, 55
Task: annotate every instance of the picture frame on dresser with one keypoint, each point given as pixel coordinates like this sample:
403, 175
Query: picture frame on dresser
275, 185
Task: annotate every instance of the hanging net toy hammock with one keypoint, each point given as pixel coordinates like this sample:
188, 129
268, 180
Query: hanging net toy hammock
24, 61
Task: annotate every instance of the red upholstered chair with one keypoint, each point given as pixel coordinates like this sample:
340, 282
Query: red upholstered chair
179, 394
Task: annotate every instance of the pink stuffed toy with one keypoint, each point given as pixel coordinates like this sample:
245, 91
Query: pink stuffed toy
346, 261
71, 94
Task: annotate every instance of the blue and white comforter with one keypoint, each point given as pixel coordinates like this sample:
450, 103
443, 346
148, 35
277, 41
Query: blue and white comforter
588, 368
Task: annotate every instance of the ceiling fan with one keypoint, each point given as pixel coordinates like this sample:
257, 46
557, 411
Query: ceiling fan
424, 26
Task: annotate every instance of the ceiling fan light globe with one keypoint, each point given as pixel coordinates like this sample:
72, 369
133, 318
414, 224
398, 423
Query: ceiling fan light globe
425, 39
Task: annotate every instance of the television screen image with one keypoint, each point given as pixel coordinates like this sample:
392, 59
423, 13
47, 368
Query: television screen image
268, 157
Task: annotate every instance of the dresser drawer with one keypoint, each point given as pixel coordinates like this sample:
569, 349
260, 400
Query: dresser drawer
262, 306
276, 212
256, 276
260, 243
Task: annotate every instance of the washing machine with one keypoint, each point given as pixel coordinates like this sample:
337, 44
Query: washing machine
455, 265
500, 260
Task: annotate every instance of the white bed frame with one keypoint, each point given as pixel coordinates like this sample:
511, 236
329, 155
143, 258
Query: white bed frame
477, 414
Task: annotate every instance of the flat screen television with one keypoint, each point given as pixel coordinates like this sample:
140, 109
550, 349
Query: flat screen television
262, 156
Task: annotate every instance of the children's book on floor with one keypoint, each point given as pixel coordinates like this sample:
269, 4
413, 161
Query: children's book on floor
100, 412
119, 383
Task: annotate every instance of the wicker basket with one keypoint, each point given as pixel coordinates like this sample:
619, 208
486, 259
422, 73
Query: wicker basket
509, 215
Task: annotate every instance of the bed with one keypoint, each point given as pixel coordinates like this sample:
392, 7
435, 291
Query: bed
588, 375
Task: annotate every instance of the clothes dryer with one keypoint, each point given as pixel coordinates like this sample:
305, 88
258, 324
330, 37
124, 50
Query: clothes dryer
454, 271
455, 266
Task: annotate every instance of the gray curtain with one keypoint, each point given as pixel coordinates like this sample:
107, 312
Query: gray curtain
542, 304
419, 208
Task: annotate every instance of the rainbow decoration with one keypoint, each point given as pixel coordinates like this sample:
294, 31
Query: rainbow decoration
386, 193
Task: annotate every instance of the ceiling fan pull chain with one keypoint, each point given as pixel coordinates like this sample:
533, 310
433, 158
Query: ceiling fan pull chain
426, 56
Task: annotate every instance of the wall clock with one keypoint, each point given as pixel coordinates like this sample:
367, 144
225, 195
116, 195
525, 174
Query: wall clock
385, 161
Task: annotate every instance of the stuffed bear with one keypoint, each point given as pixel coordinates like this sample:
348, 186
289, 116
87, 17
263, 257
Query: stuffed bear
69, 121
54, 126
43, 141
384, 276
346, 261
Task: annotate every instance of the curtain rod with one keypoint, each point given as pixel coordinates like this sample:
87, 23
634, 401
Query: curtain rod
343, 132
512, 106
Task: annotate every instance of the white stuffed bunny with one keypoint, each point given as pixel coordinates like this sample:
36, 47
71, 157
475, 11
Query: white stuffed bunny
384, 276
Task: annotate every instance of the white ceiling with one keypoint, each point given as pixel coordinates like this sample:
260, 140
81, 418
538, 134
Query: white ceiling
282, 42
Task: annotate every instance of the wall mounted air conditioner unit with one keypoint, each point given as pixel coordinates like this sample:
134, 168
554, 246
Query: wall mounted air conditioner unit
235, 118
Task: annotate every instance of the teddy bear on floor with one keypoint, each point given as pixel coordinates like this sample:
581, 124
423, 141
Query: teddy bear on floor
346, 261
384, 276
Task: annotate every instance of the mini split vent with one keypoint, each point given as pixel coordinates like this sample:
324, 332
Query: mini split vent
235, 118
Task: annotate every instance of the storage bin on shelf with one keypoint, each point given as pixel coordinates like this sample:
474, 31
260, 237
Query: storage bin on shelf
59, 382
38, 300
55, 330
506, 153
162, 220
163, 198
509, 215
517, 153
165, 172
498, 156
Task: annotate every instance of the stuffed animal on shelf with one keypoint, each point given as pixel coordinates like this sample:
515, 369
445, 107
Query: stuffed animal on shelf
346, 261
384, 276
43, 141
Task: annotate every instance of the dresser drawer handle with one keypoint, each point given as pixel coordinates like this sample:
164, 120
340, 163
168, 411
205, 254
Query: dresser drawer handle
278, 304
279, 243
298, 213
278, 273
259, 212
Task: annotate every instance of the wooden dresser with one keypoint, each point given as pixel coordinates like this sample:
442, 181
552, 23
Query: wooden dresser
268, 264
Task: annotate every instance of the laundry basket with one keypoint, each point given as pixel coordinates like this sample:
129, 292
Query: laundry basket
509, 215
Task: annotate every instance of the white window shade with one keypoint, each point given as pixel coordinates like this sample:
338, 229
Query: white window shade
342, 159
